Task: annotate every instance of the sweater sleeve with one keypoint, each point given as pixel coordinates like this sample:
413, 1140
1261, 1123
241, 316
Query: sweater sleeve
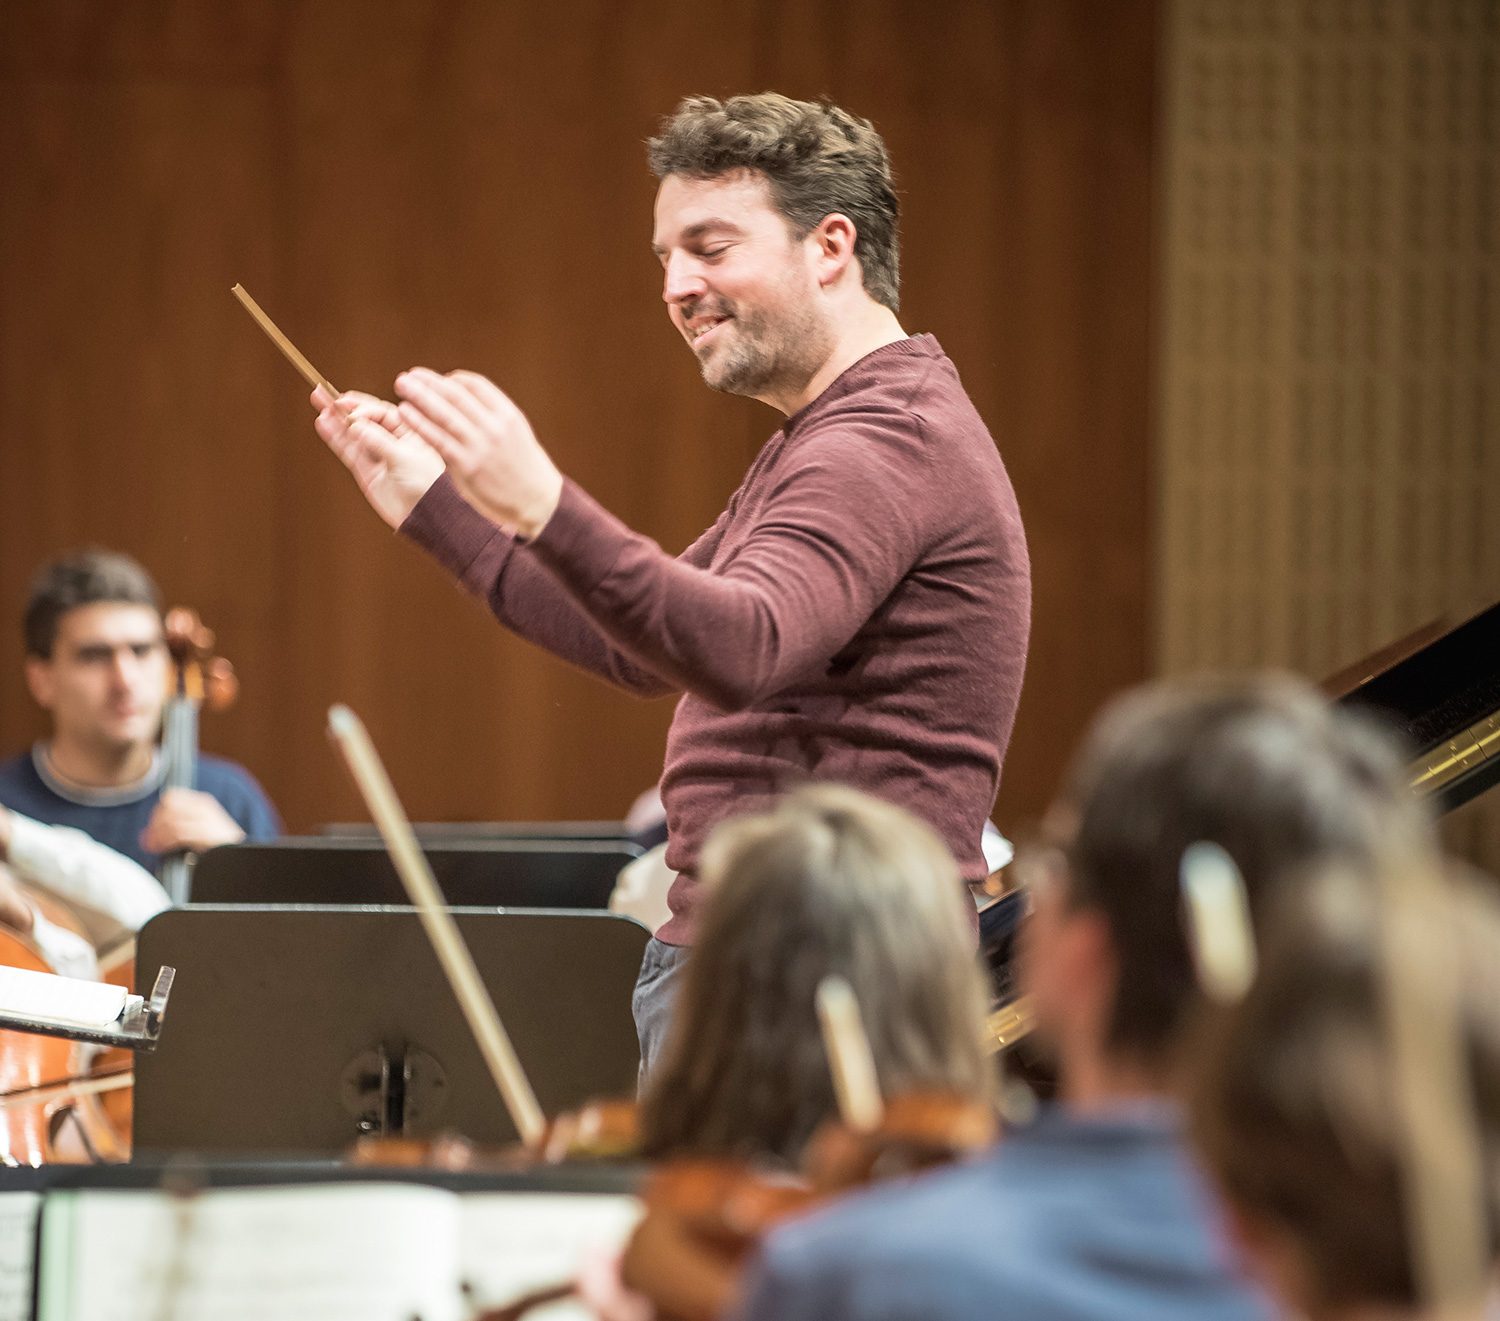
69, 953
521, 593
841, 524
75, 866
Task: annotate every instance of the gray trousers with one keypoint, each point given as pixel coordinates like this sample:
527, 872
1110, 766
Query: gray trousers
655, 989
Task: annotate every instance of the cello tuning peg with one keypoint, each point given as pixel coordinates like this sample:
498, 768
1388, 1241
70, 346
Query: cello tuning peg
188, 638
221, 685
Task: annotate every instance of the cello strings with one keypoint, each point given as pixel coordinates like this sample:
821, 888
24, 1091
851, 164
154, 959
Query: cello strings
82, 1084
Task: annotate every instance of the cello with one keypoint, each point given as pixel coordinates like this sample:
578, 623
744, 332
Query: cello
197, 677
73, 1080
44, 1118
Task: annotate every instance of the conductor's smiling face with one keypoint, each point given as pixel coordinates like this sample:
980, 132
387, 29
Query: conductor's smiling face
739, 286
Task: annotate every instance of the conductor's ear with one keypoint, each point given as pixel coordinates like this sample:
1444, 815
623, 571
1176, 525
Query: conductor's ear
834, 238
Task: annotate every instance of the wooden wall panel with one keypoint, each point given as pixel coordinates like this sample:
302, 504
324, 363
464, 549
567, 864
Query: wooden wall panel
464, 184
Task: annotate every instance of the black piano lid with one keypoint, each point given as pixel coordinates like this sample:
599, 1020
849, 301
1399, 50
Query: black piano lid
1433, 685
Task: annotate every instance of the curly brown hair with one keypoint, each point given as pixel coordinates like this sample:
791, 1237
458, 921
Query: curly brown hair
818, 159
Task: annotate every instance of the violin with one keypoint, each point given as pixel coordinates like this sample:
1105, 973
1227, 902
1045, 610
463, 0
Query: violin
704, 1217
598, 1131
197, 676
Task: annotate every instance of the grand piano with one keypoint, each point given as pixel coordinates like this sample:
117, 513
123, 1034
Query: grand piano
1440, 686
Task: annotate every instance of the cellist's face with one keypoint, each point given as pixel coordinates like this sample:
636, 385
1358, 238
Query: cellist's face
106, 680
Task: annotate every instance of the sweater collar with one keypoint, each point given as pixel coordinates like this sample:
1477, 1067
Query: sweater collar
89, 795
857, 374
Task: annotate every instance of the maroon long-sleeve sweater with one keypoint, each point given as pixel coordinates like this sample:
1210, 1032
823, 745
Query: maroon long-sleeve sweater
859, 613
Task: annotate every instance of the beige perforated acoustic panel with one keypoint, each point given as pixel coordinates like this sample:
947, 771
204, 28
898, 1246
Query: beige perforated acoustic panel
1329, 402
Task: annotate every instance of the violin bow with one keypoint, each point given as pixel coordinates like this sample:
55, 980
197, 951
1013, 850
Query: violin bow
850, 1060
353, 740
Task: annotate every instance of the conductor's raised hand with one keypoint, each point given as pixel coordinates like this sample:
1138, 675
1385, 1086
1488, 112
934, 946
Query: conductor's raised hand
393, 466
490, 450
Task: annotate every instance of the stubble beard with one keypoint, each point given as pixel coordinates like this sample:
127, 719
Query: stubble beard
768, 355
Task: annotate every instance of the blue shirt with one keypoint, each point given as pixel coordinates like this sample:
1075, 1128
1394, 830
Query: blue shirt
1068, 1219
117, 816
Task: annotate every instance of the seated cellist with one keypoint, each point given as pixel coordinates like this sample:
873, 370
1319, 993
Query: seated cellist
1298, 1116
87, 815
1094, 1210
830, 882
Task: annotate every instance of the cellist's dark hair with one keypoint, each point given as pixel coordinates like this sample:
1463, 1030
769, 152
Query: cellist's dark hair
84, 577
832, 881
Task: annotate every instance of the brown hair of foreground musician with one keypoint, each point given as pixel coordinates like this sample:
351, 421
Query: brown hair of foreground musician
1295, 1107
830, 882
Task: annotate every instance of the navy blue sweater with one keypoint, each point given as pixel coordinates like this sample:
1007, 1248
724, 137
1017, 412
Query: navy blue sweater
117, 818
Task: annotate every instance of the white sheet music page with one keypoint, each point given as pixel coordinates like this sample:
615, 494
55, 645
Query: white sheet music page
64, 1000
513, 1243
311, 1252
17, 1247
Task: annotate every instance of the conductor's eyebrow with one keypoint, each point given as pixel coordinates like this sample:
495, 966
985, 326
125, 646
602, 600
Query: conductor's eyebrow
698, 230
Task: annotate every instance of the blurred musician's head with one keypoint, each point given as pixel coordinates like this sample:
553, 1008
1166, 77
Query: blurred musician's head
1262, 766
830, 882
95, 654
1295, 1106
776, 225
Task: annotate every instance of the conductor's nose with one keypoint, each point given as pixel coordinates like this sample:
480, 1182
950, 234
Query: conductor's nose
681, 280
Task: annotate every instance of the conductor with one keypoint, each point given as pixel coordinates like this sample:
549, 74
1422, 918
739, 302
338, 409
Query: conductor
858, 613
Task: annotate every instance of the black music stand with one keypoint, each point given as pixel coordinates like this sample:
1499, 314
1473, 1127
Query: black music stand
296, 1029
510, 873
445, 830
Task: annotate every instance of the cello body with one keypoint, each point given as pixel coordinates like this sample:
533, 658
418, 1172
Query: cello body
28, 1060
40, 1133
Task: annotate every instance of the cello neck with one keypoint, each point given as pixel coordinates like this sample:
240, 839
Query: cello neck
179, 741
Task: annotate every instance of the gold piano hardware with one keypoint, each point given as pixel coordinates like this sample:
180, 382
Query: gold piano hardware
1008, 1024
1449, 760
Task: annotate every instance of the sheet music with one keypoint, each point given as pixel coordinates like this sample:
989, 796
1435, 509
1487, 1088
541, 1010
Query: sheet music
512, 1243
17, 1247
331, 1252
60, 999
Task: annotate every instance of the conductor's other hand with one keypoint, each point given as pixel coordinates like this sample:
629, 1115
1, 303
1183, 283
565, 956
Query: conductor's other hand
487, 444
393, 466
189, 821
